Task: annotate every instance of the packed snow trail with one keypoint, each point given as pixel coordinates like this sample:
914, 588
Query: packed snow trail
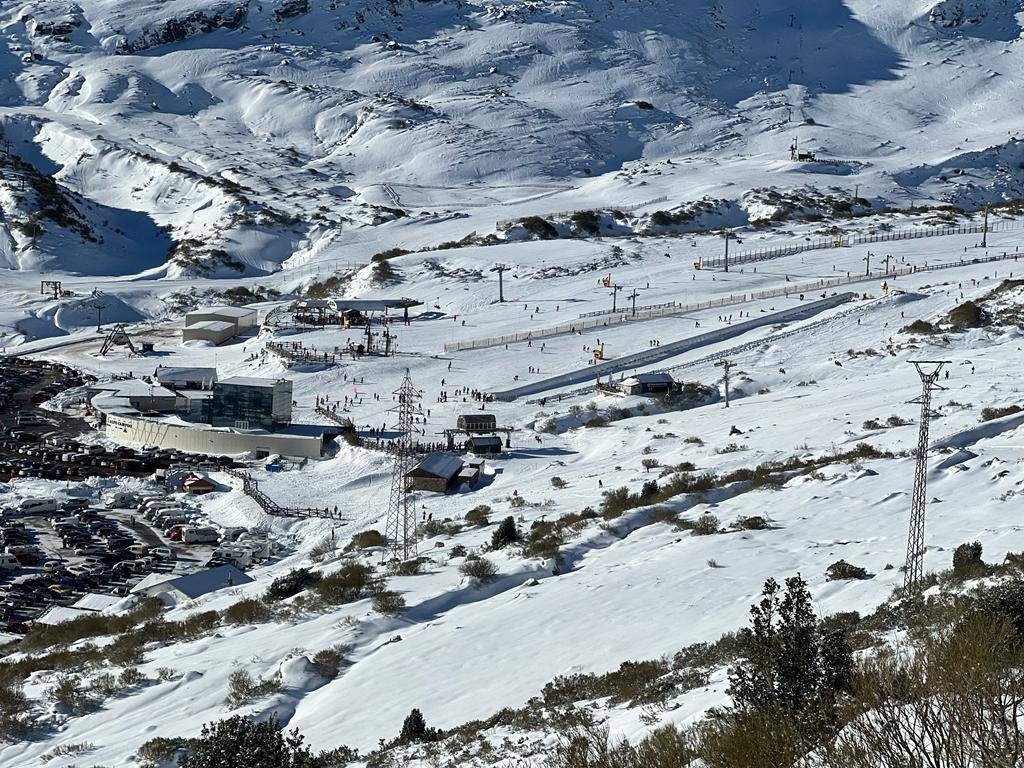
656, 354
739, 349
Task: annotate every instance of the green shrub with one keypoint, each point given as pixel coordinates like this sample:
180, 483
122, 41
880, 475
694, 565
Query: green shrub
415, 730
66, 692
968, 315
507, 533
920, 327
322, 549
348, 584
242, 743
291, 583
328, 661
368, 539
478, 515
559, 483
706, 525
987, 414
431, 528
752, 523
844, 571
479, 569
586, 221
248, 611
411, 567
14, 706
539, 227
967, 562
388, 602
242, 688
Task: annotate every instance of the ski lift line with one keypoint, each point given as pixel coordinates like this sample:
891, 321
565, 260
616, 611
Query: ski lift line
656, 354
742, 348
788, 289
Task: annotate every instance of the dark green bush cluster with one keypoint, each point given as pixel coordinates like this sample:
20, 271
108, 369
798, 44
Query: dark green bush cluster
538, 227
987, 414
546, 536
766, 475
505, 534
967, 562
844, 571
291, 583
351, 582
368, 539
478, 515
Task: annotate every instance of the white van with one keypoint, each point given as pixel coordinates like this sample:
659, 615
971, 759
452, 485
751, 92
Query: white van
153, 512
121, 500
194, 535
37, 506
9, 563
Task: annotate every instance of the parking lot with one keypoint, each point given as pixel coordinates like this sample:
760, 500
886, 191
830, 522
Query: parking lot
55, 550
42, 443
58, 546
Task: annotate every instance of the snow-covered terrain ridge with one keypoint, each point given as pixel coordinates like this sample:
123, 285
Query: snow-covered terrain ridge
259, 134
179, 153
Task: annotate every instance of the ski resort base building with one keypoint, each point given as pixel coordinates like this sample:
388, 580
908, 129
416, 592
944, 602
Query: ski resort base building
240, 415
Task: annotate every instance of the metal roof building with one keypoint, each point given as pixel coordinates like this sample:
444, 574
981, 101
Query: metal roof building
437, 473
215, 331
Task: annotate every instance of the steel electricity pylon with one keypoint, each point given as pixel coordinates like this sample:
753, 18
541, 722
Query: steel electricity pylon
401, 525
929, 371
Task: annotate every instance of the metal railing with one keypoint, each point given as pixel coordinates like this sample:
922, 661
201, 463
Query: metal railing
251, 488
842, 241
789, 289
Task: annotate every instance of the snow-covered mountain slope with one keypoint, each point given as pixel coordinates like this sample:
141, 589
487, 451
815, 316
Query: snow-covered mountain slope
166, 152
627, 587
262, 134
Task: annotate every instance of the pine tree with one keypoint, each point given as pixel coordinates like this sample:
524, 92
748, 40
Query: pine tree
415, 729
506, 534
789, 666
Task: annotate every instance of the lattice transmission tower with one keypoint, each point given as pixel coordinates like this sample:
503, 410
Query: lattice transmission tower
401, 525
915, 538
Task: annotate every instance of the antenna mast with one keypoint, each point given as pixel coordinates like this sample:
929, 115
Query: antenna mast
915, 538
401, 524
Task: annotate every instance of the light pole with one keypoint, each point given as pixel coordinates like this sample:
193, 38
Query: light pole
632, 298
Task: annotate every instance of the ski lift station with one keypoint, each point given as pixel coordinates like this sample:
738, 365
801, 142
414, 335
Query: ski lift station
237, 415
217, 324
